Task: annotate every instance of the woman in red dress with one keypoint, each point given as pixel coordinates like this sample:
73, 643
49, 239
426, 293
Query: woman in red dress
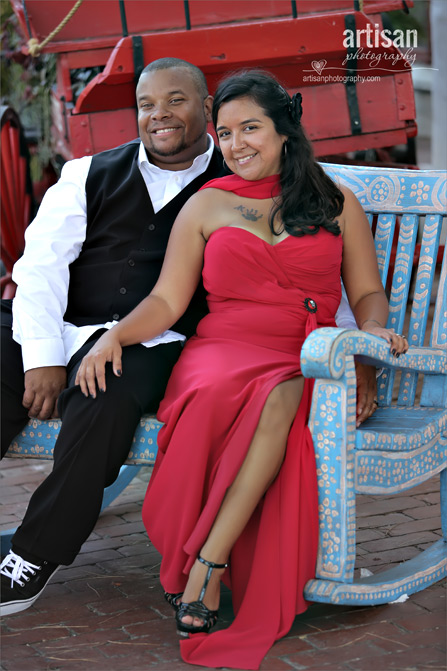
233, 495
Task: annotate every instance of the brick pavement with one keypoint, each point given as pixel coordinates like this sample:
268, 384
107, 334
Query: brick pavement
106, 612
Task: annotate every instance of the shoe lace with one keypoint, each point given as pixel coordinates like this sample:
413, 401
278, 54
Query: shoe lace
15, 567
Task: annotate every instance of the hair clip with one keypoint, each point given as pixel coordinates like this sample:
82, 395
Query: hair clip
296, 107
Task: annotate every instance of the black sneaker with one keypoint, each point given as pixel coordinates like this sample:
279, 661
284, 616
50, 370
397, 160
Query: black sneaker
22, 582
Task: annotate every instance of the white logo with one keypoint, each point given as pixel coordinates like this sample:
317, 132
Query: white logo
319, 66
383, 38
369, 52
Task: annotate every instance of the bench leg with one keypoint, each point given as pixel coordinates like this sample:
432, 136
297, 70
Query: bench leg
334, 405
409, 577
127, 473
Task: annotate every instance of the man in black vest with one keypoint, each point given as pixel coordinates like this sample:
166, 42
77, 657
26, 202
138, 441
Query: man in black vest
92, 254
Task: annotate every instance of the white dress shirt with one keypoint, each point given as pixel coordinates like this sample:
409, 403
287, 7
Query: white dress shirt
54, 240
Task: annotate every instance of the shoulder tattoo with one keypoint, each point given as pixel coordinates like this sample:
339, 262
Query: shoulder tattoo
250, 214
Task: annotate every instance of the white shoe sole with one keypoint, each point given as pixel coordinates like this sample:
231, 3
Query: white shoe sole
11, 607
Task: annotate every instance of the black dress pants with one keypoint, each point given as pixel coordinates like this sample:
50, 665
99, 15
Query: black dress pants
93, 443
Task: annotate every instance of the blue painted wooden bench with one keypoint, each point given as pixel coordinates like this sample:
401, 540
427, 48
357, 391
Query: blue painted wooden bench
405, 442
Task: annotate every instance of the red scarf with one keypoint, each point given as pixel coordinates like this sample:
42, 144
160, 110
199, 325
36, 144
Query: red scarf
268, 187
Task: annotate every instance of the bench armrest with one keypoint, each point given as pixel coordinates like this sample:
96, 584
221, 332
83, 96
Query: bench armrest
325, 350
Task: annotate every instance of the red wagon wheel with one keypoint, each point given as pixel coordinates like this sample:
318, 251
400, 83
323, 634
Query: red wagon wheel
16, 194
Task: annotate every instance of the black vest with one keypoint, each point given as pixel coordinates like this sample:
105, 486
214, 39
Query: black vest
125, 244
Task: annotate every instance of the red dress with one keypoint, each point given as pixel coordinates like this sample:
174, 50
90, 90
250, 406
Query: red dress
248, 343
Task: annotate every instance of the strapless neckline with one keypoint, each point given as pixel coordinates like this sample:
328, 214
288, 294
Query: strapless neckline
250, 233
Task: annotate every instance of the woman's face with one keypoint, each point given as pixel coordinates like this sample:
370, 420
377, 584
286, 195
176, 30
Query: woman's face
249, 142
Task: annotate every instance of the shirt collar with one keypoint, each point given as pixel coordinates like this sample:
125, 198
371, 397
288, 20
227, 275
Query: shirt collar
200, 162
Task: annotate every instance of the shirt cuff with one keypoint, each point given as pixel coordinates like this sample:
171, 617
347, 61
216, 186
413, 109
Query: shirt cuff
42, 352
345, 320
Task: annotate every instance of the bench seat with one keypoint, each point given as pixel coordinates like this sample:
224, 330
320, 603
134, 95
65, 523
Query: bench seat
398, 428
37, 440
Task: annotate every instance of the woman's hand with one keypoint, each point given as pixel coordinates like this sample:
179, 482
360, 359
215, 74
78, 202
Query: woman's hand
92, 368
366, 391
398, 342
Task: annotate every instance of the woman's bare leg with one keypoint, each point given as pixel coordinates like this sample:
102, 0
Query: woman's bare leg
258, 471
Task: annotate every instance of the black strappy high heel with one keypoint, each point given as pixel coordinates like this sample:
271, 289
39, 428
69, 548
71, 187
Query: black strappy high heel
198, 608
171, 598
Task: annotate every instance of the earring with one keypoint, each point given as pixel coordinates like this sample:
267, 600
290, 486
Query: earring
285, 148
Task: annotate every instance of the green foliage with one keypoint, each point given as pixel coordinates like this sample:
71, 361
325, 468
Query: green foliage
26, 84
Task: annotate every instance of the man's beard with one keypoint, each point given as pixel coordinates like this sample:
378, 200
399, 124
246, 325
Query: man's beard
184, 144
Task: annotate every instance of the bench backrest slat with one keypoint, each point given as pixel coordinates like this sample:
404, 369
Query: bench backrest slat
383, 240
434, 390
421, 305
408, 232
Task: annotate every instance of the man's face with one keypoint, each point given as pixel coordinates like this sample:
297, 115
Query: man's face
172, 117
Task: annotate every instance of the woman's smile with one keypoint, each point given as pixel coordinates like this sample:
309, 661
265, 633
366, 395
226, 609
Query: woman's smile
250, 144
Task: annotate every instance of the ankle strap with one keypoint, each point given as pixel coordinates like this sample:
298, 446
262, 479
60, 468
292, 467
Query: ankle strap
211, 564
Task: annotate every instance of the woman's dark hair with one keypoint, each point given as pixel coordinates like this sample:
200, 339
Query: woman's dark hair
309, 198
